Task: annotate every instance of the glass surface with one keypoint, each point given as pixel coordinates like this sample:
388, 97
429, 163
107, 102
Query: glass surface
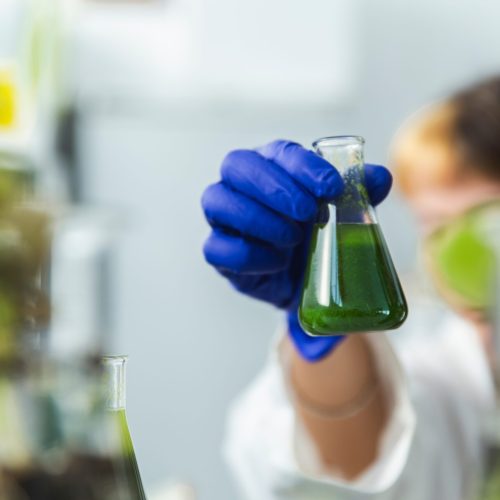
350, 284
462, 257
24, 250
125, 460
61, 438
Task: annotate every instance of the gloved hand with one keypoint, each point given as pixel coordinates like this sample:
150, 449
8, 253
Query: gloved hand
262, 212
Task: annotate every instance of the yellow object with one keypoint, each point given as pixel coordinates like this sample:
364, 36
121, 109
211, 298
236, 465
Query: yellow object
8, 98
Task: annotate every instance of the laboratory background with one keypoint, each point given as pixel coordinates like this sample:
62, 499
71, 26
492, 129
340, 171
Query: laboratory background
137, 103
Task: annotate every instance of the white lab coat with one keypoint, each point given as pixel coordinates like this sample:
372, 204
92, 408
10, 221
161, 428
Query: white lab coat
439, 387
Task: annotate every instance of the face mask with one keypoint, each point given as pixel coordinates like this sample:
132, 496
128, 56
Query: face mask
462, 257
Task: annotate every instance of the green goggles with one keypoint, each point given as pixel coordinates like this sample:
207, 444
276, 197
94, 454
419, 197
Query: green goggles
464, 254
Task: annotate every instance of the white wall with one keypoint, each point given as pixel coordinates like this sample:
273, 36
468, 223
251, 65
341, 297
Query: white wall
193, 342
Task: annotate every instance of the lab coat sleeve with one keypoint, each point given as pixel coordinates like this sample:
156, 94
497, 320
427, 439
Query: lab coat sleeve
429, 443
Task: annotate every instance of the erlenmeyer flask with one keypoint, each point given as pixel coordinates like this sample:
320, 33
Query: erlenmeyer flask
63, 432
350, 283
125, 460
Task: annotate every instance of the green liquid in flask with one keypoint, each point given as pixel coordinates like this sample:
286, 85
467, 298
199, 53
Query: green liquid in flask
350, 284
126, 462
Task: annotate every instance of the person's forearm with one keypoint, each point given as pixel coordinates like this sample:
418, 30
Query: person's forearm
341, 405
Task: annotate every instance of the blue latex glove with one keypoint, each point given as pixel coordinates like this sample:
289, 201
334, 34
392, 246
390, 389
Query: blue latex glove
262, 212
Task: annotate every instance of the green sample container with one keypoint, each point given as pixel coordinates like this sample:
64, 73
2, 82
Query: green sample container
350, 283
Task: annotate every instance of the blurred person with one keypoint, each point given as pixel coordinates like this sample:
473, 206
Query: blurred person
368, 415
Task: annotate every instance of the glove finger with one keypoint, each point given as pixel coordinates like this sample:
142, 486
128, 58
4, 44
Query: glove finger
310, 348
239, 255
318, 176
224, 207
378, 183
263, 181
313, 348
274, 288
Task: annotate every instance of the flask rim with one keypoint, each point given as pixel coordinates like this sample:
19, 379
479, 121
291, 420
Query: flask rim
338, 141
114, 359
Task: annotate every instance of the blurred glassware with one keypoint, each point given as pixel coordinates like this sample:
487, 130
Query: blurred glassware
64, 434
54, 272
63, 431
35, 84
79, 285
461, 258
128, 474
24, 250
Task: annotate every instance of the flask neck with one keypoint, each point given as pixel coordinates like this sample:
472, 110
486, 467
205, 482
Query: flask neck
115, 380
345, 153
